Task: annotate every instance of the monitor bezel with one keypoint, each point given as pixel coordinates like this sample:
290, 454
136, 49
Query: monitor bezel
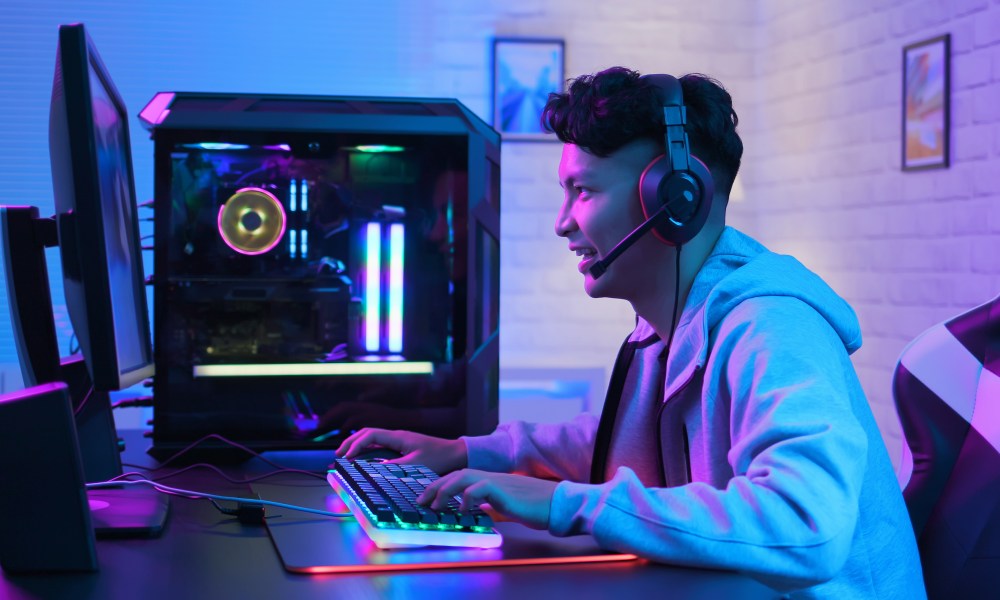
82, 233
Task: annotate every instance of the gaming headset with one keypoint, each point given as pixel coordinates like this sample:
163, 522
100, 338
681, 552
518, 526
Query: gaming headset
675, 188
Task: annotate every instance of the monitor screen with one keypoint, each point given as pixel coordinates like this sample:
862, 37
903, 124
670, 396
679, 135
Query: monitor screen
96, 215
118, 203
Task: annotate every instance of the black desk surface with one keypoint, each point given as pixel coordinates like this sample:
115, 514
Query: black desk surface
205, 554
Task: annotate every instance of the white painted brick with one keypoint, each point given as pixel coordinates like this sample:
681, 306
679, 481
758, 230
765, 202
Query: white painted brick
903, 21
987, 28
932, 220
972, 290
918, 185
864, 287
962, 106
903, 223
986, 178
934, 12
524, 225
871, 29
963, 34
986, 107
985, 257
953, 183
994, 213
515, 280
970, 70
920, 291
969, 218
527, 253
971, 143
874, 319
884, 124
964, 7
856, 191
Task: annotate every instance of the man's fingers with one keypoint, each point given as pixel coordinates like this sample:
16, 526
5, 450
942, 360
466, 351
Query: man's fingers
407, 459
438, 494
366, 438
475, 494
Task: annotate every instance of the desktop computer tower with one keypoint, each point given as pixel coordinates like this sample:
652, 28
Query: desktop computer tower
322, 264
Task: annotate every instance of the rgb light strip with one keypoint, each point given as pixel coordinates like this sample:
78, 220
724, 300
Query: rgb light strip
353, 368
373, 287
392, 340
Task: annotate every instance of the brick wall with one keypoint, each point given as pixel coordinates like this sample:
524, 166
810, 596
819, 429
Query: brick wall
907, 250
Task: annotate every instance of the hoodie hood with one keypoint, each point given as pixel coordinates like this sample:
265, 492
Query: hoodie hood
740, 268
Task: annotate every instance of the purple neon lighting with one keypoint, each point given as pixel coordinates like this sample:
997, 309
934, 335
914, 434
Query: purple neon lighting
373, 286
277, 239
156, 111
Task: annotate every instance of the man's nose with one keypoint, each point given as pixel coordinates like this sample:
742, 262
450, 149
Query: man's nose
564, 221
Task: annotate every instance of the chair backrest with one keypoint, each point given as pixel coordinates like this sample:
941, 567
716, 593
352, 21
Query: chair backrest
947, 391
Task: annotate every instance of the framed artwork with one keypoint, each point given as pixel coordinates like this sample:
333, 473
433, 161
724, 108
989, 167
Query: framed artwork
525, 72
926, 104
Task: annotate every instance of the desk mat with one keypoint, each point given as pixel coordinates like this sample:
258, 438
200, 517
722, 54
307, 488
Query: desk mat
315, 544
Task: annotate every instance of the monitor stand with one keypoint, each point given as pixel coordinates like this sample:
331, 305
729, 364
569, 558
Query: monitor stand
127, 512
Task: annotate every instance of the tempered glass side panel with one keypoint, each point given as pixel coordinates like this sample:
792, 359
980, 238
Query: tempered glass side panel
306, 250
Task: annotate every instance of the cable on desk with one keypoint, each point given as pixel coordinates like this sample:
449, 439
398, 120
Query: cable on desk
192, 494
220, 473
236, 445
83, 402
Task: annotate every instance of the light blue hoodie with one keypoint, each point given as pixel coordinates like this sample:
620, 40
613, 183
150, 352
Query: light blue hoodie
773, 463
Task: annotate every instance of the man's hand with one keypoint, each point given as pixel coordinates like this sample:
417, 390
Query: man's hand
441, 455
509, 497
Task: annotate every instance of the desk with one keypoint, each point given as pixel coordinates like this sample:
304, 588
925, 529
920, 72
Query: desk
203, 554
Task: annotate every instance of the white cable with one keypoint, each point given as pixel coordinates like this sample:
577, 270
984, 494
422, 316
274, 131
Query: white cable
165, 488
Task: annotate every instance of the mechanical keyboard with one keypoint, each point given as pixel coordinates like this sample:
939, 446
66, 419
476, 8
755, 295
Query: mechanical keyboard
383, 498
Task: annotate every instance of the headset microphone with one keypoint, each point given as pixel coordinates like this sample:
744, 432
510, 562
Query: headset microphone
602, 265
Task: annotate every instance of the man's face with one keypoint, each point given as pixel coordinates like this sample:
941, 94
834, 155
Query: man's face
600, 207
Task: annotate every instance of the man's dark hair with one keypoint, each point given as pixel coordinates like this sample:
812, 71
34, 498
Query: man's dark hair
602, 112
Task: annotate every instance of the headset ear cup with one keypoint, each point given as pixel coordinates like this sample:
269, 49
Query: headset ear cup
650, 183
691, 192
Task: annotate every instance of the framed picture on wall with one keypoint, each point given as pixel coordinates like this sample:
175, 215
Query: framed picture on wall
926, 104
525, 72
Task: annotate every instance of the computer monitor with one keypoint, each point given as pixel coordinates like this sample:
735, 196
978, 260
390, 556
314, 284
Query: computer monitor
96, 229
96, 212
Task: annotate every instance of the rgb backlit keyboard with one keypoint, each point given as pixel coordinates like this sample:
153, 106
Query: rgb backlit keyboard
383, 498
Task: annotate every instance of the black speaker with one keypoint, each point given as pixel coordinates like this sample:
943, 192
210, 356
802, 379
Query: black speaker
45, 521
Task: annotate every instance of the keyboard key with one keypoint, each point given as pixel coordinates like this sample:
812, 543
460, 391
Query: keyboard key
409, 516
484, 520
428, 516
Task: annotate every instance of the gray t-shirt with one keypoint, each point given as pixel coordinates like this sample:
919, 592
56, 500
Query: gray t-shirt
633, 439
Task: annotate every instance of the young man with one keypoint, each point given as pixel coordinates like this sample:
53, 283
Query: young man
736, 436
